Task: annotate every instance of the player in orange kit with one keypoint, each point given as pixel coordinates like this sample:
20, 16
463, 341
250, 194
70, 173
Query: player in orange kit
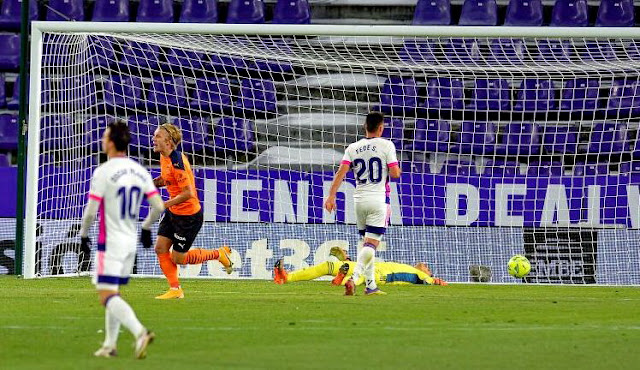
183, 217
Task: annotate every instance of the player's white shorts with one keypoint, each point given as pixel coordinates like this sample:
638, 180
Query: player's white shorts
372, 218
113, 269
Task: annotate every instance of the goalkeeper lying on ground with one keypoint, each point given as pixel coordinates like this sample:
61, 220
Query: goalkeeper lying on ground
386, 272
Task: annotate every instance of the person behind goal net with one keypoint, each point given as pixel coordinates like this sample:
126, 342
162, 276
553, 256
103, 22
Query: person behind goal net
183, 216
372, 159
116, 191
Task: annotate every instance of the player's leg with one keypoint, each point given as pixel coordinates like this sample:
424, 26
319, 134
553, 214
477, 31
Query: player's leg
168, 266
309, 273
361, 219
377, 222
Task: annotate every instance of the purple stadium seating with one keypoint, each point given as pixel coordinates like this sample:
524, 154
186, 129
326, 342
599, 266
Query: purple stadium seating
501, 168
167, 91
492, 95
179, 59
417, 51
13, 102
432, 13
462, 51
524, 13
479, 13
459, 167
10, 46
561, 139
508, 50
195, 134
123, 91
65, 10
570, 13
103, 52
445, 93
590, 169
199, 11
79, 91
609, 137
212, 94
142, 129
399, 95
415, 167
257, 95
431, 136
10, 14
8, 131
545, 169
234, 134
394, 131
292, 12
93, 128
57, 133
624, 97
555, 50
111, 11
245, 11
580, 94
272, 65
140, 55
3, 92
155, 11
476, 138
599, 50
4, 160
536, 96
616, 13
522, 138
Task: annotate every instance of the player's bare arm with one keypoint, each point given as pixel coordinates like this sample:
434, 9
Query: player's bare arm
395, 172
330, 203
186, 193
159, 182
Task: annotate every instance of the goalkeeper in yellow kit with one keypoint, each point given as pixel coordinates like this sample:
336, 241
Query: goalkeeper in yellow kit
386, 272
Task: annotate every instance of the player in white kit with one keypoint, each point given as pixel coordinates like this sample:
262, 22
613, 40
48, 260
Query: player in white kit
116, 192
372, 159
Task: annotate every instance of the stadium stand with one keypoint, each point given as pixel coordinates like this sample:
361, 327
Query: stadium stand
155, 11
10, 14
65, 10
198, 11
111, 11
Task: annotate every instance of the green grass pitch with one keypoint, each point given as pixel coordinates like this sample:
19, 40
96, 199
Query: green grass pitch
57, 324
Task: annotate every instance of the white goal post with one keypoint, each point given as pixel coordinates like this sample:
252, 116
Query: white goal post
512, 140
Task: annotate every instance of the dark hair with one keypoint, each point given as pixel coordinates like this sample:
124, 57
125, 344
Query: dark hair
374, 120
119, 134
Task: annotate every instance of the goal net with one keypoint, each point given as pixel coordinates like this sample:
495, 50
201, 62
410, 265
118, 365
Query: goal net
511, 141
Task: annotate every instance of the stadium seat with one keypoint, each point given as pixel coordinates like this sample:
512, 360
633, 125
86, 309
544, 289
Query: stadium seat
142, 129
57, 132
111, 11
139, 55
181, 59
475, 138
8, 131
599, 50
10, 14
4, 160
245, 11
616, 13
561, 139
479, 13
462, 51
416, 51
234, 134
292, 12
195, 134
492, 95
524, 13
544, 169
271, 65
3, 92
609, 138
257, 95
199, 11
93, 130
570, 13
581, 94
13, 102
79, 90
432, 13
535, 96
624, 98
123, 91
10, 46
431, 136
445, 93
501, 168
508, 50
394, 131
65, 10
520, 138
459, 167
399, 95
103, 53
212, 94
590, 169
167, 91
555, 50
155, 11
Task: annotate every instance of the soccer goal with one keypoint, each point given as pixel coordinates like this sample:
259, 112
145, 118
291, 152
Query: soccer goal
511, 141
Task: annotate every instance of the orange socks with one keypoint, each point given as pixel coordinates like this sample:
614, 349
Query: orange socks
196, 256
169, 269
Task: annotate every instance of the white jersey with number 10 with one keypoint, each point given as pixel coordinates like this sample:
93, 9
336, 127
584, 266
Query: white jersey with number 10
370, 159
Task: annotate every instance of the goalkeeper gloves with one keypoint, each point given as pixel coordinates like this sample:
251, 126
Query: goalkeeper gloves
85, 244
145, 238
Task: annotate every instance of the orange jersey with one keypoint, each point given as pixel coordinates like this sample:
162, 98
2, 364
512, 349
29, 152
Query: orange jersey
176, 173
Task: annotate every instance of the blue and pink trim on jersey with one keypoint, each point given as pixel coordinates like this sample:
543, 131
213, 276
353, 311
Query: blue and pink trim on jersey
345, 162
152, 193
102, 228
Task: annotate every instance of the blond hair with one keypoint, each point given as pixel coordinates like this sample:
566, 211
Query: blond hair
174, 132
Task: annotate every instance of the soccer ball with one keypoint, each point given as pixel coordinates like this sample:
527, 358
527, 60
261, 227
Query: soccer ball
518, 266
